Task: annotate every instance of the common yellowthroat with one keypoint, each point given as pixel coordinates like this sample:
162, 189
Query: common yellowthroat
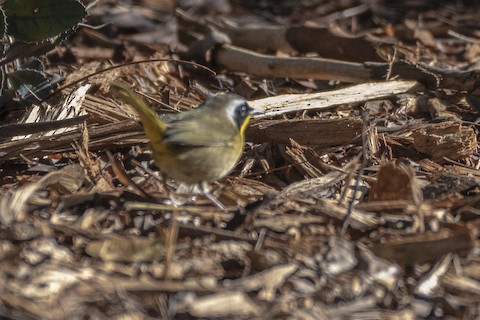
196, 146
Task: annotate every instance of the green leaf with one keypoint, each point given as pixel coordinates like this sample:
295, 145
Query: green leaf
20, 49
34, 20
31, 85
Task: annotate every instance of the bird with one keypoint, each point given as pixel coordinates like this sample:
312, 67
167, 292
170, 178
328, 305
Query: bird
198, 146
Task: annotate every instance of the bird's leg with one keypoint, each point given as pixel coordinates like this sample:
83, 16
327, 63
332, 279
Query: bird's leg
215, 200
204, 189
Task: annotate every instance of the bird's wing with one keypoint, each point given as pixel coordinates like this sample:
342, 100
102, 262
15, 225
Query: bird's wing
198, 133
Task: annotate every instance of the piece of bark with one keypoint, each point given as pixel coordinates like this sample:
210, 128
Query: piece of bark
313, 132
396, 181
20, 129
104, 136
448, 184
277, 105
427, 246
442, 140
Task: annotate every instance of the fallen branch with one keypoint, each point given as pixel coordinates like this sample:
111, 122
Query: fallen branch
250, 62
274, 106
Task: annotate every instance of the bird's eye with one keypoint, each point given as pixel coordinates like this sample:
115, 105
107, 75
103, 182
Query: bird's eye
244, 110
241, 112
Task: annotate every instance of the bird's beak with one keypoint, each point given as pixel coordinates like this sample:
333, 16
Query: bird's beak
255, 111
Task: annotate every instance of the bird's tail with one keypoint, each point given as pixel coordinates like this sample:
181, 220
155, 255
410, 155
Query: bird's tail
154, 127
